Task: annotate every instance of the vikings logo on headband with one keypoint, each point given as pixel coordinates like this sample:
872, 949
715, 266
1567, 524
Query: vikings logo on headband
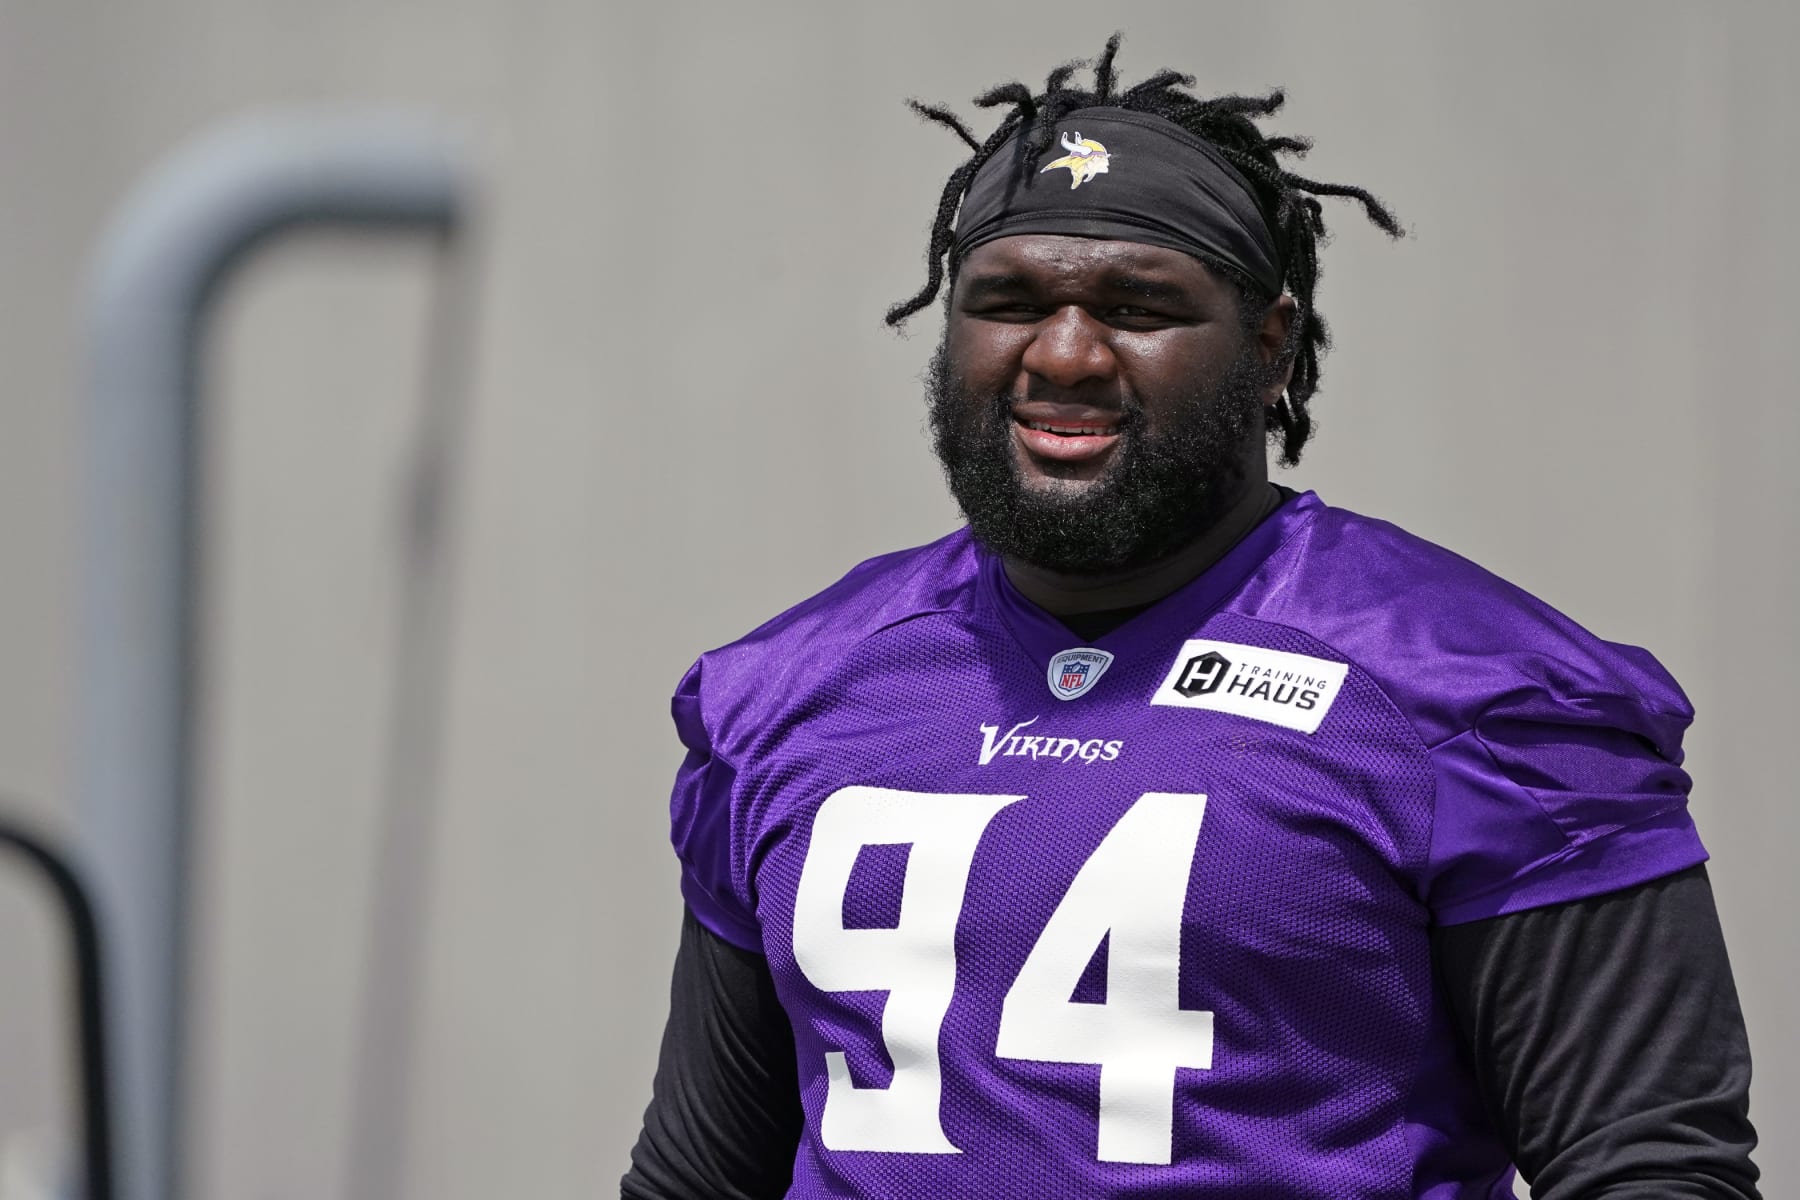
1179, 192
1085, 159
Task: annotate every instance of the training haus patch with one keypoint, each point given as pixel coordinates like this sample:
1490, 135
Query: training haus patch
1248, 681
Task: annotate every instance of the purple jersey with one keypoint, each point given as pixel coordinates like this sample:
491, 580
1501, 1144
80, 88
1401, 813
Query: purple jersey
1149, 917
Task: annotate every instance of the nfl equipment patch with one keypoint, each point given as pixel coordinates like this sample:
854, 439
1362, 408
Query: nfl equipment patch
1073, 672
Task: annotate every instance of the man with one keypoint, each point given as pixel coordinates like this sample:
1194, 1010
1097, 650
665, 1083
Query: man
1166, 833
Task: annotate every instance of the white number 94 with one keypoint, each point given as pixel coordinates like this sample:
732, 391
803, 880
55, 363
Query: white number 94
1132, 888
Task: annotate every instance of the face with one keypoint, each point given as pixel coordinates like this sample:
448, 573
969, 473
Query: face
1096, 404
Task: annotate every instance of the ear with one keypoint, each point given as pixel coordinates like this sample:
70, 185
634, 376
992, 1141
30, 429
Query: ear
1276, 343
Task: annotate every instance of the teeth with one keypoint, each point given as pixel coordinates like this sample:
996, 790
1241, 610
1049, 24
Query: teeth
1069, 430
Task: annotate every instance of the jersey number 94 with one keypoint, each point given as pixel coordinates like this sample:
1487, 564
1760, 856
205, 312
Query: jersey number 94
1132, 889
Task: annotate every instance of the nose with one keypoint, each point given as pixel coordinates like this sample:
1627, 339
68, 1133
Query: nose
1068, 349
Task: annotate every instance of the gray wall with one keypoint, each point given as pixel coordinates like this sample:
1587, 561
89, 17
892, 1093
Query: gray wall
1578, 371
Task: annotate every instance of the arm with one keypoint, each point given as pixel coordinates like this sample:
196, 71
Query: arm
1607, 1040
724, 1119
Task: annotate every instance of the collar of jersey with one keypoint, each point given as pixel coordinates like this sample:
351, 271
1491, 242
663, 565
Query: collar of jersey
1042, 636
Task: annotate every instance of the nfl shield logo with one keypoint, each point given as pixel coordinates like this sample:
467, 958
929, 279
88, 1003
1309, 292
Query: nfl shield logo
1073, 672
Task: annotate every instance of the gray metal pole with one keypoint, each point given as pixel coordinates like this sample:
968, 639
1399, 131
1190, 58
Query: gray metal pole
176, 237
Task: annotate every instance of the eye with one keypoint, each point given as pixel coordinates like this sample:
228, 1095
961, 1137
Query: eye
1007, 310
1136, 316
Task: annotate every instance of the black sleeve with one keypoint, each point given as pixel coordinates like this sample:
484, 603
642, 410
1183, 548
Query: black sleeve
1607, 1041
724, 1118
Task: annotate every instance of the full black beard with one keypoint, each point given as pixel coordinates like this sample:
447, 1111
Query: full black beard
1161, 491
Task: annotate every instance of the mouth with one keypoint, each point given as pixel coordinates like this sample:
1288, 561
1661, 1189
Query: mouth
1072, 438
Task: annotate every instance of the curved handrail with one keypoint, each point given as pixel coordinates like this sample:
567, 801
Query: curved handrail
173, 242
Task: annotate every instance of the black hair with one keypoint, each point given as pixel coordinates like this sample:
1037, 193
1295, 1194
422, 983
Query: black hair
1289, 202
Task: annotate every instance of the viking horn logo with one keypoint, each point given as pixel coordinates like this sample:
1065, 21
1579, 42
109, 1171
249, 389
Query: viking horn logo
1085, 159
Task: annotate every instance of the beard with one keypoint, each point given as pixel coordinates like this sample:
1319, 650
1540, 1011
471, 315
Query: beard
1161, 489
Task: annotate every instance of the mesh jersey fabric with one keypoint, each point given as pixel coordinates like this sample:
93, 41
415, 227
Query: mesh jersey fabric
885, 796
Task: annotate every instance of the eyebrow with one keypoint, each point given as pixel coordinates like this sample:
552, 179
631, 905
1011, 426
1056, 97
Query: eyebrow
999, 285
1150, 289
988, 287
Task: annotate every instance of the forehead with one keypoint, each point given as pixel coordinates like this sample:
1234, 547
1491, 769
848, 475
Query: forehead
1053, 260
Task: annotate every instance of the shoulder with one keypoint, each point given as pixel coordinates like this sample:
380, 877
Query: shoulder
743, 684
1449, 641
1556, 755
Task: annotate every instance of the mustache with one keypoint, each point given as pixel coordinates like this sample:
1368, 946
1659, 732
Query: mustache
947, 394
1126, 410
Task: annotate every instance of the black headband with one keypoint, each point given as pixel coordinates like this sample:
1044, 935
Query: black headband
1132, 177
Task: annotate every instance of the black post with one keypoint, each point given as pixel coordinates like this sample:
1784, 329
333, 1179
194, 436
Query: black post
90, 1030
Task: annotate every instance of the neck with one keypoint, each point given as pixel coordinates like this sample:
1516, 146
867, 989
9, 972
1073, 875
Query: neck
1067, 595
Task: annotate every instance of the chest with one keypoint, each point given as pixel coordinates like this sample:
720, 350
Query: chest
972, 805
979, 900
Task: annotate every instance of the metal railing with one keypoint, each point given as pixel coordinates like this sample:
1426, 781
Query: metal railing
173, 243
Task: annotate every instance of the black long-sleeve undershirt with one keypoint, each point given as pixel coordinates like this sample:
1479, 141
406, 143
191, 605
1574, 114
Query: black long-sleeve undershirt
1605, 1036
724, 1118
1608, 1044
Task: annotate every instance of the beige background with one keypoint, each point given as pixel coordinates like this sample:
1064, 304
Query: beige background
1579, 371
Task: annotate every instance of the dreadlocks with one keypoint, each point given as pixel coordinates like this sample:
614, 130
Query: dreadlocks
1289, 202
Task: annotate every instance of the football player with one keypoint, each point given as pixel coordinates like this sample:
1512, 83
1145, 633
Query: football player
1165, 832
